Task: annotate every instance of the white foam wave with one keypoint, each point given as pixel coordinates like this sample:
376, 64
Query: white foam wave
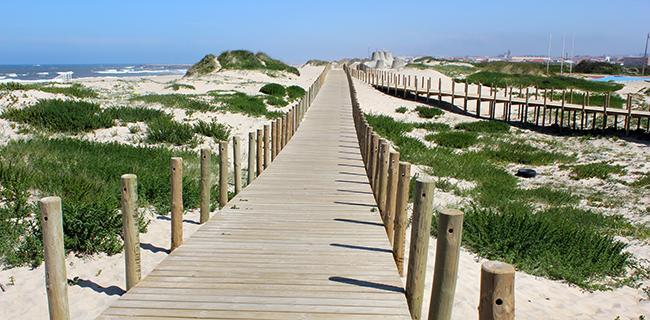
11, 75
42, 73
131, 71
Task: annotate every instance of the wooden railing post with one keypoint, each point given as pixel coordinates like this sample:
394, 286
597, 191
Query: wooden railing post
391, 194
267, 146
130, 232
55, 270
236, 160
420, 234
260, 152
205, 186
223, 173
401, 219
450, 232
382, 182
251, 157
274, 139
177, 202
497, 298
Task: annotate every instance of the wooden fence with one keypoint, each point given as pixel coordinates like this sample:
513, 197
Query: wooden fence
389, 179
528, 106
263, 149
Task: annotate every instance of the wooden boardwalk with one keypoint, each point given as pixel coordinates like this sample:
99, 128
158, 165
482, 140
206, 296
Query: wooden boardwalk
303, 241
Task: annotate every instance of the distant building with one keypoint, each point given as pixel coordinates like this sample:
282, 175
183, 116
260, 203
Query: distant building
529, 59
636, 61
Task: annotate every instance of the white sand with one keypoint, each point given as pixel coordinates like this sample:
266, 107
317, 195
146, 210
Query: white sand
536, 297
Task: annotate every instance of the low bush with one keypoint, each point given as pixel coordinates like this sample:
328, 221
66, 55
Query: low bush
489, 126
206, 65
401, 109
276, 101
74, 90
242, 103
453, 139
433, 126
178, 86
295, 92
274, 89
218, 131
428, 112
181, 101
134, 114
169, 131
61, 116
600, 170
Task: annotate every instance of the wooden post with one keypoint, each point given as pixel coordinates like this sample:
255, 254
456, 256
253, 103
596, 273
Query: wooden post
130, 232
383, 176
478, 102
236, 162
415, 95
267, 146
628, 117
465, 100
391, 194
420, 234
274, 139
453, 91
177, 202
440, 89
55, 270
373, 160
251, 157
450, 231
260, 152
223, 173
205, 185
401, 219
497, 299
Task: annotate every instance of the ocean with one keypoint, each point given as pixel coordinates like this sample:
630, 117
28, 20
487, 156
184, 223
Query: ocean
56, 72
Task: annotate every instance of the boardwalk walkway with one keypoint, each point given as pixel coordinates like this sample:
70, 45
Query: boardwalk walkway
301, 242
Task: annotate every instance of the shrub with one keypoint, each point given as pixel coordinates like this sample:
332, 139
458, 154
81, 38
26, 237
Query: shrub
175, 100
246, 60
74, 90
433, 126
501, 80
427, 112
134, 114
401, 109
453, 139
170, 131
524, 154
489, 126
276, 101
274, 89
242, 103
295, 92
178, 86
206, 65
586, 66
61, 116
600, 170
216, 130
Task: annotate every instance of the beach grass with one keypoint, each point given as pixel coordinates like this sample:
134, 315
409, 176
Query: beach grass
453, 139
61, 116
74, 90
428, 112
246, 60
487, 126
178, 86
295, 92
242, 103
502, 80
206, 65
401, 109
166, 130
180, 101
216, 130
600, 170
87, 178
274, 89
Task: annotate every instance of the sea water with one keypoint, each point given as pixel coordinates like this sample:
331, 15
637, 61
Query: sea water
620, 79
54, 72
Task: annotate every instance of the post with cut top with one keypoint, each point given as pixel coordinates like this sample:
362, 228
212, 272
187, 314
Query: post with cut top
130, 232
382, 183
260, 152
450, 231
267, 146
274, 139
391, 194
236, 162
223, 173
252, 148
205, 186
420, 234
177, 202
497, 298
401, 219
55, 270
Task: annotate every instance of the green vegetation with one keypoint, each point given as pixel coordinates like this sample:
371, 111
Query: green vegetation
87, 178
241, 103
538, 230
401, 109
499, 79
586, 66
643, 182
246, 60
428, 112
204, 66
489, 126
180, 101
274, 89
432, 126
169, 131
61, 116
615, 100
178, 86
600, 170
453, 139
74, 90
450, 70
218, 131
316, 62
295, 92
134, 114
521, 68
276, 101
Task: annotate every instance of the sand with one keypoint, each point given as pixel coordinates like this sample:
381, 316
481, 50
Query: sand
537, 297
101, 277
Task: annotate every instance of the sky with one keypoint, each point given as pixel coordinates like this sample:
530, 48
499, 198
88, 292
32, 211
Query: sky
162, 31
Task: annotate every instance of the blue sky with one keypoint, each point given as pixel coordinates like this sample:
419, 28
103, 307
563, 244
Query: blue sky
148, 31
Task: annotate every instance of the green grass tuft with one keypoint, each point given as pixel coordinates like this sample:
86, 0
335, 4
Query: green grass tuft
276, 101
600, 170
521, 153
246, 60
295, 92
489, 126
134, 114
274, 89
61, 116
218, 131
245, 104
401, 109
180, 101
206, 65
75, 90
453, 139
178, 86
428, 112
169, 131
499, 79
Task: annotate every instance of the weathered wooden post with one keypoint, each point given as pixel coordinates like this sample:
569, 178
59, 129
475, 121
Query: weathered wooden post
391, 194
465, 99
450, 231
420, 234
274, 139
497, 299
55, 270
401, 219
223, 173
177, 202
205, 186
382, 182
374, 148
260, 152
130, 232
236, 160
251, 157
267, 146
